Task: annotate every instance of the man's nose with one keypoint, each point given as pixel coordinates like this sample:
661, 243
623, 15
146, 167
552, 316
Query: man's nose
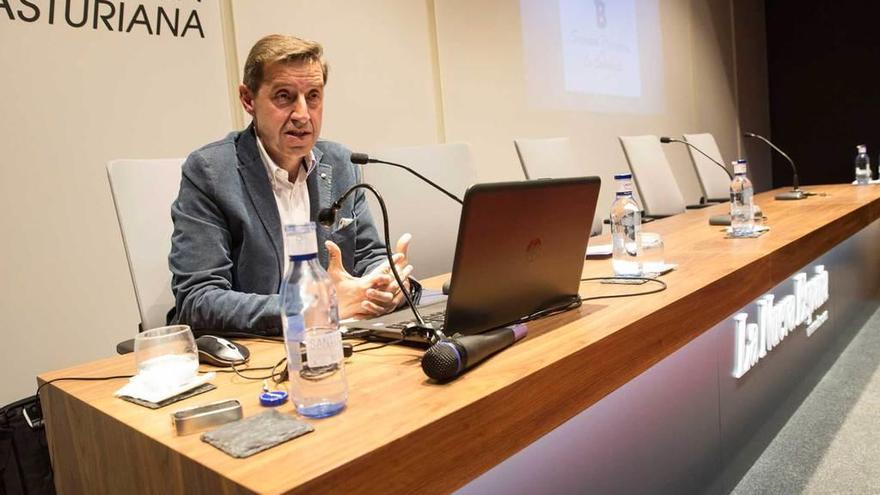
300, 113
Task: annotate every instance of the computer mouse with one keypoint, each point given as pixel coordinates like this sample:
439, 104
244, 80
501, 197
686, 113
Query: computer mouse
218, 351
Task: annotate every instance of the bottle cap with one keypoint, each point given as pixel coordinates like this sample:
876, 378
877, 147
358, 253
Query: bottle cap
273, 398
624, 176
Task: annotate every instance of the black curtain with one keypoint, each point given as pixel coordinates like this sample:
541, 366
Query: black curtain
823, 63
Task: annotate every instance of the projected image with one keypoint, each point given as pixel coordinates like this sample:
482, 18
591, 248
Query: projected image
600, 47
595, 55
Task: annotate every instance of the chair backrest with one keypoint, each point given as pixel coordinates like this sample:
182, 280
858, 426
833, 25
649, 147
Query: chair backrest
416, 207
554, 158
713, 181
143, 191
652, 174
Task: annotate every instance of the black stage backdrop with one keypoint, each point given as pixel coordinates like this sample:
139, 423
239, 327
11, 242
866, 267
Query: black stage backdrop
823, 63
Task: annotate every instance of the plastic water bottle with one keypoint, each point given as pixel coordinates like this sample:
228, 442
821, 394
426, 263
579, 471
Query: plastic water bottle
311, 329
863, 165
626, 230
742, 208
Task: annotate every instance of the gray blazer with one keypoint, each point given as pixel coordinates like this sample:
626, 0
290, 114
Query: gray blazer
227, 247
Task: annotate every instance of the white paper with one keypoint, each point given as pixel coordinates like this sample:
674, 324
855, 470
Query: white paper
758, 228
599, 250
144, 388
656, 269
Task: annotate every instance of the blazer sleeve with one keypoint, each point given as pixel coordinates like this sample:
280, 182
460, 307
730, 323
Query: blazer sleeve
201, 261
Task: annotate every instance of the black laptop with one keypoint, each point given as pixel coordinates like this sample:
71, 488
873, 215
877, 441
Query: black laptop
520, 250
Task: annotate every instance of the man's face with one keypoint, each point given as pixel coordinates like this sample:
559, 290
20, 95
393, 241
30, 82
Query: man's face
287, 110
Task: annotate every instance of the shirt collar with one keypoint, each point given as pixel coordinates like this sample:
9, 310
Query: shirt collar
277, 175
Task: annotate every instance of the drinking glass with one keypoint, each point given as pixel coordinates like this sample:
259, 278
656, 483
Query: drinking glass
166, 354
759, 218
652, 253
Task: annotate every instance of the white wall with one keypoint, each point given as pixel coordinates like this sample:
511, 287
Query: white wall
74, 98
487, 101
381, 89
403, 72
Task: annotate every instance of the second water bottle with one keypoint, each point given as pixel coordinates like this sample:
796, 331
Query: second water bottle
626, 230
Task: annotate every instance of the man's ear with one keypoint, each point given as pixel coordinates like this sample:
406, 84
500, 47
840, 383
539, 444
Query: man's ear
247, 99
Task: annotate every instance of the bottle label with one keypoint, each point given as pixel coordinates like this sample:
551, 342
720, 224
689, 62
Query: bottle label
739, 168
300, 240
323, 348
624, 186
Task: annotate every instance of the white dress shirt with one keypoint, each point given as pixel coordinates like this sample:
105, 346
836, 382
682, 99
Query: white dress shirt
292, 198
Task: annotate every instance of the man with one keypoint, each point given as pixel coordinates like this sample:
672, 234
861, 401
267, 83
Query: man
227, 251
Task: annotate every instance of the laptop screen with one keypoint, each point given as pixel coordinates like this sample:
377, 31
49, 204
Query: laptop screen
520, 250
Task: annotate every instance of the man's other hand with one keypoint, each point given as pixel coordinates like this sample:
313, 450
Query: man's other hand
390, 297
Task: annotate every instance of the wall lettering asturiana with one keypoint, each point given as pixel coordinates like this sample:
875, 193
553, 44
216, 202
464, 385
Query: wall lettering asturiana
177, 18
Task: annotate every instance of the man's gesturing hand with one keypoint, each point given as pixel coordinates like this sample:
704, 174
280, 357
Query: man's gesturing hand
373, 294
351, 291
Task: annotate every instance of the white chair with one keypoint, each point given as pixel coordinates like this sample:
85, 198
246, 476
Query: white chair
714, 182
555, 158
143, 191
416, 207
652, 174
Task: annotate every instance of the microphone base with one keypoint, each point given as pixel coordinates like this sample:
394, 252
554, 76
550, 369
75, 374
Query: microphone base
790, 196
725, 219
719, 220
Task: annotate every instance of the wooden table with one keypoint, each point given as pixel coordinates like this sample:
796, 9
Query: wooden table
401, 433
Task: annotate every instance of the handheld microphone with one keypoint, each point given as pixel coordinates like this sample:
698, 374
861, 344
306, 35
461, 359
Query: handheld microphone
327, 216
363, 159
449, 358
795, 192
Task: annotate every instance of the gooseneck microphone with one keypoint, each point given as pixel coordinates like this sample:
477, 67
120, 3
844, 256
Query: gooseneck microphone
449, 358
327, 216
714, 219
795, 192
667, 140
363, 159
